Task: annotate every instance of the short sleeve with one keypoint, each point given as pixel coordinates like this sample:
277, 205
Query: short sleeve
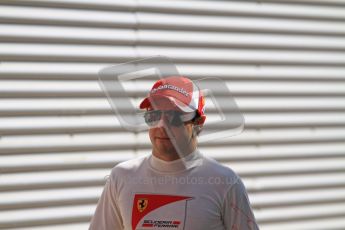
237, 211
107, 215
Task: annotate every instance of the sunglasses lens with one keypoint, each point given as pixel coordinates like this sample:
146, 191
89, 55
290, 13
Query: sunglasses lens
152, 117
174, 118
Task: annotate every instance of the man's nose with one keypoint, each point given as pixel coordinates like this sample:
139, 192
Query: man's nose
164, 127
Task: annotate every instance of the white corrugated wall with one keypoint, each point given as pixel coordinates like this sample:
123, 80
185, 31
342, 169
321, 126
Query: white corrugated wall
284, 62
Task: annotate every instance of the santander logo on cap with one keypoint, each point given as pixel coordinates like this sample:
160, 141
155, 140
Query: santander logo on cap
171, 87
181, 91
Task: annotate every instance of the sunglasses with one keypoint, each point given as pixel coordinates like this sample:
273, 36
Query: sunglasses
173, 117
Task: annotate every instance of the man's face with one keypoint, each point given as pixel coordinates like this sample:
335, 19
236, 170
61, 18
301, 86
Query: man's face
165, 138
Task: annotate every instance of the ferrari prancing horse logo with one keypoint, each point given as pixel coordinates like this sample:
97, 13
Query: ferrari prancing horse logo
142, 204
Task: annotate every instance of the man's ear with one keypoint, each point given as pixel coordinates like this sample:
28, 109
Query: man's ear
196, 130
198, 124
200, 120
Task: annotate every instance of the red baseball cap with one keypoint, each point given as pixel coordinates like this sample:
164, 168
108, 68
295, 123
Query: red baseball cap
179, 90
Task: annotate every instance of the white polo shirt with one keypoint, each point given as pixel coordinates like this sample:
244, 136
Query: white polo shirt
192, 193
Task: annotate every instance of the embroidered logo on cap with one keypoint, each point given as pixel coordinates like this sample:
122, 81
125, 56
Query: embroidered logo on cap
172, 87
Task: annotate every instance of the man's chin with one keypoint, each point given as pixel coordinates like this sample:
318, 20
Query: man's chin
162, 138
168, 147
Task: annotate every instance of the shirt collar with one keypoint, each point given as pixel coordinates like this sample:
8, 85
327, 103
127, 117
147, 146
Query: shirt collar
190, 161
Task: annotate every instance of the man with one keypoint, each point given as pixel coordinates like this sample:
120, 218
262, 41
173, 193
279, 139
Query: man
175, 187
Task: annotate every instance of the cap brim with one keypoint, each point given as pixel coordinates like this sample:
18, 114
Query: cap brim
179, 105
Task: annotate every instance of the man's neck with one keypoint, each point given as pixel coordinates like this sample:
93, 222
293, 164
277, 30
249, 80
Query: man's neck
171, 156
